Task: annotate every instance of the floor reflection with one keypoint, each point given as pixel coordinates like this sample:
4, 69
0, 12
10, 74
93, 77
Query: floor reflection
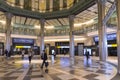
62, 61
52, 59
65, 61
83, 69
87, 62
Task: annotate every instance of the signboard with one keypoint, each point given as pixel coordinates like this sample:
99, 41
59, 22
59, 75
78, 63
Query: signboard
109, 37
62, 46
22, 46
23, 41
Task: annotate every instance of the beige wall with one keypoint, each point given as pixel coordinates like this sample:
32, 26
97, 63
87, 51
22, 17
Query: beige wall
51, 43
89, 41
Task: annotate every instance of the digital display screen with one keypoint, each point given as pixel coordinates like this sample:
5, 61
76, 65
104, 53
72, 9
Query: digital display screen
22, 40
109, 37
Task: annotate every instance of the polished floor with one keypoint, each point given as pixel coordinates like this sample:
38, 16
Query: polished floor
59, 68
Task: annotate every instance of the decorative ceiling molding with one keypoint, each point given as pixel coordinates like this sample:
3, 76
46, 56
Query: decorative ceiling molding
77, 8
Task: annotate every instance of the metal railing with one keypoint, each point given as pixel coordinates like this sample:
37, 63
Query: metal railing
55, 32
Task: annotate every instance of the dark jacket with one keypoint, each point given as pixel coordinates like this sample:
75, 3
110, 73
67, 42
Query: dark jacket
87, 54
6, 52
45, 56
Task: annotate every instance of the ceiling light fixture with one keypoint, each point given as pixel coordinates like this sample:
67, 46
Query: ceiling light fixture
87, 23
3, 22
37, 26
47, 27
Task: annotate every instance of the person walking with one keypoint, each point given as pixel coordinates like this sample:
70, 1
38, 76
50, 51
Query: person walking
23, 52
30, 55
44, 58
6, 52
87, 55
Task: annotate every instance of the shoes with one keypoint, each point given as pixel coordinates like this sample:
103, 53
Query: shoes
41, 67
46, 70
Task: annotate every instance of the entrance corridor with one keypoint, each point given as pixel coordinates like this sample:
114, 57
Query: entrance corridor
59, 69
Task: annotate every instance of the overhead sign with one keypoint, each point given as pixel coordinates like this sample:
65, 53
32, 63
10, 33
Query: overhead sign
22, 40
109, 37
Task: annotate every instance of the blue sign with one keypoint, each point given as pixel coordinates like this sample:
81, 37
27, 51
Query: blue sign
109, 37
22, 40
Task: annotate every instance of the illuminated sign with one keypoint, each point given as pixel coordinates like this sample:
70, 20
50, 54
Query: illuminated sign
109, 37
22, 40
112, 45
62, 46
22, 46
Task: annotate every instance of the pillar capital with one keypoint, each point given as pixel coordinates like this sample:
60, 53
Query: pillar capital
71, 22
42, 23
42, 20
71, 16
8, 15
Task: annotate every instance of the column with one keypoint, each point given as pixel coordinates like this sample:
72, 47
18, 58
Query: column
118, 33
61, 4
51, 5
71, 49
102, 31
42, 45
8, 31
38, 40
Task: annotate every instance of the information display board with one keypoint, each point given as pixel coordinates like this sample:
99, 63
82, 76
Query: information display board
109, 37
22, 41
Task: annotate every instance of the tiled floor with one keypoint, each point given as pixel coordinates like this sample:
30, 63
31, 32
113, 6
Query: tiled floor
59, 69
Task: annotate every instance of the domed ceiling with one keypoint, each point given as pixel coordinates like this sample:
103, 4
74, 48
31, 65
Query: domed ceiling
43, 5
58, 25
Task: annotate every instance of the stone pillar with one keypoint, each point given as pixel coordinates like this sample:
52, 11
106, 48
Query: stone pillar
42, 45
118, 33
51, 5
71, 49
38, 41
103, 54
61, 4
8, 31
